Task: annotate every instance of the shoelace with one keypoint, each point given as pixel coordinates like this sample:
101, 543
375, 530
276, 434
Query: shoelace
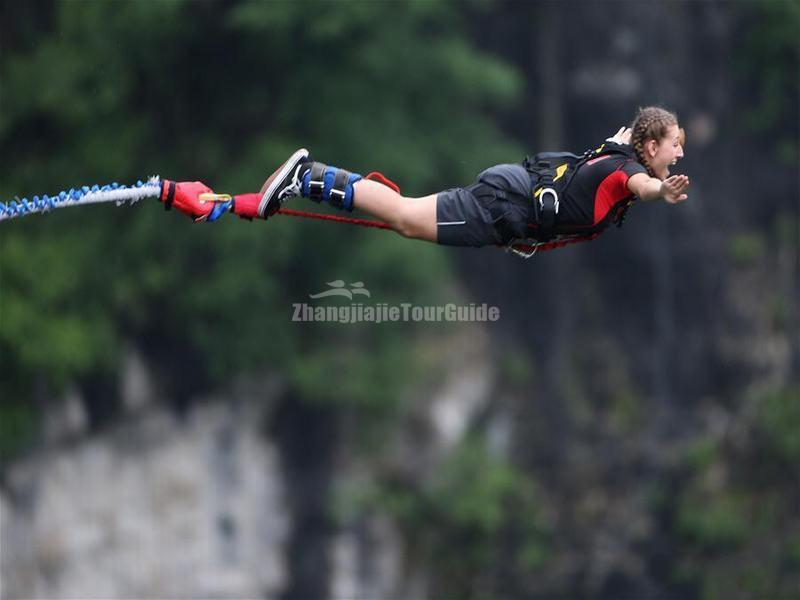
294, 189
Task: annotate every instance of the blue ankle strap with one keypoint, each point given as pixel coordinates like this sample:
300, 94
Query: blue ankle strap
329, 184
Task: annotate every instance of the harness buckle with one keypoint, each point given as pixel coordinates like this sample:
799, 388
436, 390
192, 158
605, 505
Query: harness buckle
315, 188
551, 192
339, 195
316, 181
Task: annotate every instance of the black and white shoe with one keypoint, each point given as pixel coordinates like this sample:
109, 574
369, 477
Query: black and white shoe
284, 183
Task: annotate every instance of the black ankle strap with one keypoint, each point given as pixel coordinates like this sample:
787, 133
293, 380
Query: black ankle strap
338, 190
316, 183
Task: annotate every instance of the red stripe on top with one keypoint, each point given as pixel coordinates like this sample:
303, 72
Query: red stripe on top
613, 189
598, 159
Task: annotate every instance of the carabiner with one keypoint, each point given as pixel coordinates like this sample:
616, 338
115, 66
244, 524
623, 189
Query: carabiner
210, 197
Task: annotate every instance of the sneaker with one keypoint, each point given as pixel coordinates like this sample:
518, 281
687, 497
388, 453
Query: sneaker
284, 183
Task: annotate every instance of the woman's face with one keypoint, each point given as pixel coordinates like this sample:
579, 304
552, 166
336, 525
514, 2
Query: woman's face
665, 152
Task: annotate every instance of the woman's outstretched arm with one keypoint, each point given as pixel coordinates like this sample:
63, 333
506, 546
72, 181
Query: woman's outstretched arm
649, 188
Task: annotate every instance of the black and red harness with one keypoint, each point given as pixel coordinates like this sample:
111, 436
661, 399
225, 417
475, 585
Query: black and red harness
551, 175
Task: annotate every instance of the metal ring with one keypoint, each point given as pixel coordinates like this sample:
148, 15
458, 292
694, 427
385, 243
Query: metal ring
548, 190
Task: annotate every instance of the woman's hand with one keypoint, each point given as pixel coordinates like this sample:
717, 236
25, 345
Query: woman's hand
623, 136
673, 187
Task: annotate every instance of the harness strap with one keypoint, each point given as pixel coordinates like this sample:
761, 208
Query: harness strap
337, 193
528, 250
170, 196
316, 183
622, 212
545, 201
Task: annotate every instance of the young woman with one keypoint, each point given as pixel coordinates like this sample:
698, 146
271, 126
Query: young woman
554, 197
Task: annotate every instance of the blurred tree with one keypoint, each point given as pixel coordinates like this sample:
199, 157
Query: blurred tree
95, 91
768, 61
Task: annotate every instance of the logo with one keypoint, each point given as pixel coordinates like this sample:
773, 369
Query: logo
383, 312
338, 289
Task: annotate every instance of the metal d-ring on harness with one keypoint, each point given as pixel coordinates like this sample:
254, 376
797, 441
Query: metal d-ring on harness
548, 209
545, 209
546, 204
515, 246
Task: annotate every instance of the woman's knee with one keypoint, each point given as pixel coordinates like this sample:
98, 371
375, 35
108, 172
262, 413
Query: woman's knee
405, 222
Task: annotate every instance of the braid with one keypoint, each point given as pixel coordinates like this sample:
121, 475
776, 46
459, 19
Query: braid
651, 123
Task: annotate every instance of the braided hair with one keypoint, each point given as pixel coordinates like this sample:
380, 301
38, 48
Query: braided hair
650, 123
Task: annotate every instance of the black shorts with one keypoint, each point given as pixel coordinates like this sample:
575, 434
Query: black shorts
493, 210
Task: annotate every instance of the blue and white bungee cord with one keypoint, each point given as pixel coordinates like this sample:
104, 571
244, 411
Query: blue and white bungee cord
113, 192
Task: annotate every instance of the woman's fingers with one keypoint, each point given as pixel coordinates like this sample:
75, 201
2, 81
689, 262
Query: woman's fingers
675, 186
617, 137
677, 181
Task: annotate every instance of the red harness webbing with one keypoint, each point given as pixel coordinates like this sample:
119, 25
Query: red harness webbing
551, 245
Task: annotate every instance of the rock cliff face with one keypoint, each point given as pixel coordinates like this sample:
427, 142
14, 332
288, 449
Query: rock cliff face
154, 507
230, 499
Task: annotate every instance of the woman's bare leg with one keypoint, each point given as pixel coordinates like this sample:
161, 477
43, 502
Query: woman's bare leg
410, 217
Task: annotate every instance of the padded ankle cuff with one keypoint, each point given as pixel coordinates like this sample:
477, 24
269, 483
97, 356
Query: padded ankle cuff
329, 184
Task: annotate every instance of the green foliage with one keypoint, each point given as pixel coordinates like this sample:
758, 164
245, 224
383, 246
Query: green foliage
787, 229
18, 426
45, 309
517, 368
752, 581
702, 454
472, 488
401, 80
712, 522
475, 506
779, 421
733, 506
215, 91
769, 58
793, 552
746, 248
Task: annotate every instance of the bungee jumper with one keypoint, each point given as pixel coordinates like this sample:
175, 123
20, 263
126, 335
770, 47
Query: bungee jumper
545, 202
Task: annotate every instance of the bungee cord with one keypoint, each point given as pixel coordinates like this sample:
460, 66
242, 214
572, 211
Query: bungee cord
113, 192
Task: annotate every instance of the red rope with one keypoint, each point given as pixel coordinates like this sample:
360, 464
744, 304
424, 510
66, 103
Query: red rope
322, 217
